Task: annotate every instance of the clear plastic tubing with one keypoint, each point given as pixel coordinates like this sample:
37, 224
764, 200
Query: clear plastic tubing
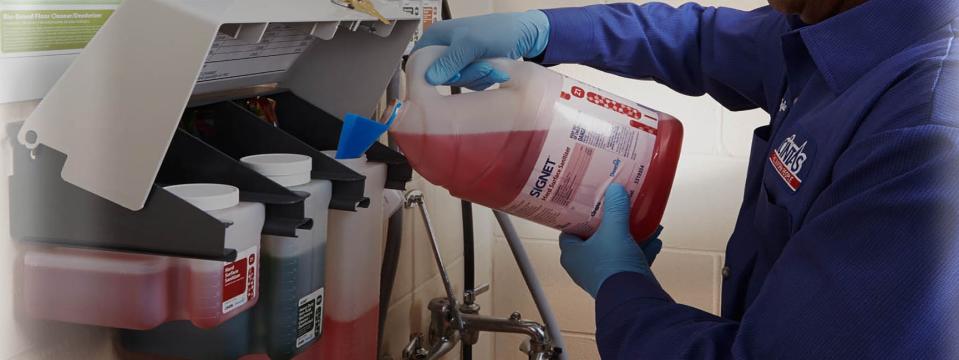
132, 291
354, 256
289, 316
543, 146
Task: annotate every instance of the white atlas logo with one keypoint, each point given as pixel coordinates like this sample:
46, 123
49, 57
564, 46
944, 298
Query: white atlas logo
788, 161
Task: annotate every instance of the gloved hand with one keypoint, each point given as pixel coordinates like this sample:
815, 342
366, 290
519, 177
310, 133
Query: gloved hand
611, 250
511, 35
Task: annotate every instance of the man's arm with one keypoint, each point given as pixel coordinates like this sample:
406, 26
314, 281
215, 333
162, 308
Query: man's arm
692, 49
872, 273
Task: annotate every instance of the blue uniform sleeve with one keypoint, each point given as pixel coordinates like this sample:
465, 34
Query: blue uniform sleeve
873, 271
692, 49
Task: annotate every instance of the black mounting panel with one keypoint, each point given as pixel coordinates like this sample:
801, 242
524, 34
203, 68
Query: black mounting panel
237, 132
318, 128
190, 160
46, 209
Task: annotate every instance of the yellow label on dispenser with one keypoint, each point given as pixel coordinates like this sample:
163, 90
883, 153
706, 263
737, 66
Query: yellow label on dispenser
48, 30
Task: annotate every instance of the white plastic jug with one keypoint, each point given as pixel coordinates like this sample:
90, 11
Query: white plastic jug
290, 314
132, 291
354, 257
218, 291
542, 147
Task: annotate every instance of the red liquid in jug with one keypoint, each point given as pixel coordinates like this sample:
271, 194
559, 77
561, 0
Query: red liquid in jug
491, 169
124, 309
476, 166
355, 339
542, 146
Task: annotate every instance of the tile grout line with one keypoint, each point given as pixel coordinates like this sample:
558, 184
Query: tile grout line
579, 334
456, 262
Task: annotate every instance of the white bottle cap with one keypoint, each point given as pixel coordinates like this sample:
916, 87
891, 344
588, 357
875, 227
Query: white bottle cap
284, 169
207, 197
348, 162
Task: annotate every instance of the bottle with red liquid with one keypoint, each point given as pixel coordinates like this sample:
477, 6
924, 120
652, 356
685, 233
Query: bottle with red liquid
542, 146
354, 252
140, 291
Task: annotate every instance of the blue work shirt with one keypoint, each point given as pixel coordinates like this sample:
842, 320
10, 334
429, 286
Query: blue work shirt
847, 242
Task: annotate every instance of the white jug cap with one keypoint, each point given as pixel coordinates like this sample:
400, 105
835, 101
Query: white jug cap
207, 197
348, 162
284, 169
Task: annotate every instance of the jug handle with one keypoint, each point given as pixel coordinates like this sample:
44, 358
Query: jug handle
420, 61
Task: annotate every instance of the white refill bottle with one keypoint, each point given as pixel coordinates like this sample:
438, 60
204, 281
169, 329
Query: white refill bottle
355, 255
289, 316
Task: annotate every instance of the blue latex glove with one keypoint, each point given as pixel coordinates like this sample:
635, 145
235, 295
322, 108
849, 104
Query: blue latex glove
511, 35
611, 250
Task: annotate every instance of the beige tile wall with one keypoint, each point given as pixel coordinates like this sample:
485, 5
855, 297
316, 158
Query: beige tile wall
418, 280
698, 220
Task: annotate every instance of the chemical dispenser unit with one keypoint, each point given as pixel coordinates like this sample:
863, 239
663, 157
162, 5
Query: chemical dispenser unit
129, 160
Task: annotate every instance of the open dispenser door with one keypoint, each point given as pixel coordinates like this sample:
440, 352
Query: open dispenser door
105, 131
114, 112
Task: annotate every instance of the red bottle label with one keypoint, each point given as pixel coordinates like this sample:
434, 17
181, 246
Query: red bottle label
595, 139
240, 279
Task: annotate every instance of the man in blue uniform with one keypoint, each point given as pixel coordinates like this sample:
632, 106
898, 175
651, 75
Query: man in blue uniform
847, 242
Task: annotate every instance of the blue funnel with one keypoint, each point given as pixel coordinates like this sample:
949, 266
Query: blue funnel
359, 133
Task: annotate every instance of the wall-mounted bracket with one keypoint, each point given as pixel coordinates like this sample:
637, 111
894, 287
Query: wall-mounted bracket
321, 130
46, 209
239, 133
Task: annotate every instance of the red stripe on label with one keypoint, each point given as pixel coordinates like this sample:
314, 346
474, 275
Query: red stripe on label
791, 179
643, 127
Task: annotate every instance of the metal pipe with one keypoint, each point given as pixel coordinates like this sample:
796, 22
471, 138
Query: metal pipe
394, 236
529, 275
514, 325
469, 256
415, 197
391, 259
469, 266
469, 270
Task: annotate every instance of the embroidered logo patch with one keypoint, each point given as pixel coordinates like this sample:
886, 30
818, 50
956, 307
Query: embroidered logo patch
788, 160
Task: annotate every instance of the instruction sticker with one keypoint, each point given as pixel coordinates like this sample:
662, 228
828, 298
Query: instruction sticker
229, 58
595, 139
429, 13
309, 323
240, 279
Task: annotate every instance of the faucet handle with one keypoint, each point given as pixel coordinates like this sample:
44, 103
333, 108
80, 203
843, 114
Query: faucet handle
414, 350
470, 296
482, 289
552, 354
525, 347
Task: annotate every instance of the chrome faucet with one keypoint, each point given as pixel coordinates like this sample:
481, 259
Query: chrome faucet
451, 322
443, 336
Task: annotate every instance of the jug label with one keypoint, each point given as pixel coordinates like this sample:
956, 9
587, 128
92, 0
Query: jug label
240, 279
595, 139
309, 323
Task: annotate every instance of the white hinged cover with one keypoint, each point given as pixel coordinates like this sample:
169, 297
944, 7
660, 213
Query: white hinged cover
115, 110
